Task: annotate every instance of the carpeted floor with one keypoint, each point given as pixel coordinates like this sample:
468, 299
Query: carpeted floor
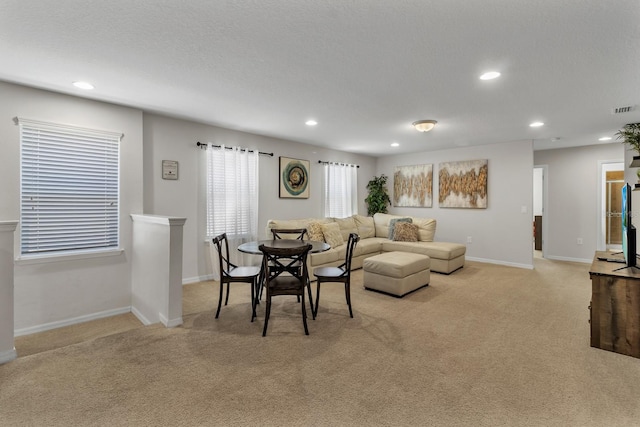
486, 346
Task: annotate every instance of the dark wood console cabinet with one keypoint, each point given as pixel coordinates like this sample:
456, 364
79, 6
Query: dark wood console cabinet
615, 307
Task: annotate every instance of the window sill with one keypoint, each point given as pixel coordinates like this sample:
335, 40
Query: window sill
42, 259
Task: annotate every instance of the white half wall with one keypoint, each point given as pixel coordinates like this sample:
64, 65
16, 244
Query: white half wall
501, 233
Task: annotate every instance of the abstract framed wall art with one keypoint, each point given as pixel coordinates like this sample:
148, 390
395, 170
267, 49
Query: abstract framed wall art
413, 186
294, 178
463, 184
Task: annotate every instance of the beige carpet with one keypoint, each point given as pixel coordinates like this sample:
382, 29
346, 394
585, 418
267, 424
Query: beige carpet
486, 346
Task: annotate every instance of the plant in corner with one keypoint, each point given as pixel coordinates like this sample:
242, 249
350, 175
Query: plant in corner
378, 198
630, 135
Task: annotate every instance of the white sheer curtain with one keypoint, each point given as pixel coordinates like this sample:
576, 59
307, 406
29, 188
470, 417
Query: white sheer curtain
340, 190
232, 199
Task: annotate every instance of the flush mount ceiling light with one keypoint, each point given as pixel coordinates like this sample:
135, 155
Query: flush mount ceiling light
605, 138
424, 125
490, 75
395, 144
310, 123
536, 124
83, 85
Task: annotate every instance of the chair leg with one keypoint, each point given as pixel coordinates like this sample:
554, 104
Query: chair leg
266, 316
317, 298
219, 299
313, 307
347, 291
253, 300
226, 300
304, 314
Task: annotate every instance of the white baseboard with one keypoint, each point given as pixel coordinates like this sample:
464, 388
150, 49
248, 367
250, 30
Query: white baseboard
562, 258
72, 321
170, 323
8, 356
508, 264
189, 280
144, 320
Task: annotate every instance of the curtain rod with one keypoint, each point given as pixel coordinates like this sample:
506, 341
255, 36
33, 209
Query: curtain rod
336, 163
203, 145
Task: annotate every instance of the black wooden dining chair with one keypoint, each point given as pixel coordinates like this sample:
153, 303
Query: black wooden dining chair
342, 274
231, 273
285, 271
287, 233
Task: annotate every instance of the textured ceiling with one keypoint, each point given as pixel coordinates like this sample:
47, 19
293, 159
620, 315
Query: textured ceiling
364, 69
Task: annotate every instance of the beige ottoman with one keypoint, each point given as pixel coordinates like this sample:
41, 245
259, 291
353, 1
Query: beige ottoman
396, 273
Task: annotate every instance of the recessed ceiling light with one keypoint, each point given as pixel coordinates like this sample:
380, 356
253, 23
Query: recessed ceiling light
395, 144
310, 123
536, 124
490, 75
83, 85
605, 138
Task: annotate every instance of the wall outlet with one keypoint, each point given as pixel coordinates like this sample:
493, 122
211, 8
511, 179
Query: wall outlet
579, 240
469, 239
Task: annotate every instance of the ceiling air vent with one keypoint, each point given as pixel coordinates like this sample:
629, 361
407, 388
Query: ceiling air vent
620, 110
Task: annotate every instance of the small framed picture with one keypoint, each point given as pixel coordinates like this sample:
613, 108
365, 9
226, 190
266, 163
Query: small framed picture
169, 169
294, 178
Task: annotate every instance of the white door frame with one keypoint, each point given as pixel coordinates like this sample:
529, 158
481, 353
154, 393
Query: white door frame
545, 205
604, 166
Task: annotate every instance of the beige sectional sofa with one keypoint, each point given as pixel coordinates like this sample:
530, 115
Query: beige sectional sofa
374, 240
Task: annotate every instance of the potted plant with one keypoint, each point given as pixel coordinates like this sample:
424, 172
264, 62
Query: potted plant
378, 198
630, 135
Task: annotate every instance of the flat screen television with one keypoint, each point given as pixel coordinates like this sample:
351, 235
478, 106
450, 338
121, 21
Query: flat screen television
628, 230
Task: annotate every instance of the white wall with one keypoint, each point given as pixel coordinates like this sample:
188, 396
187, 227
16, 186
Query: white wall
574, 180
54, 292
537, 191
175, 139
502, 233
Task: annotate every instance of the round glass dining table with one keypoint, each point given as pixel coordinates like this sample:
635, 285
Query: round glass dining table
254, 247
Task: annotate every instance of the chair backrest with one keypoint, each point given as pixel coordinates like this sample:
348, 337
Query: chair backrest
289, 233
351, 245
276, 261
222, 246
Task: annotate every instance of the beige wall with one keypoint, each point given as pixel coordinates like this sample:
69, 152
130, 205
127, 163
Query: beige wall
501, 233
175, 139
60, 290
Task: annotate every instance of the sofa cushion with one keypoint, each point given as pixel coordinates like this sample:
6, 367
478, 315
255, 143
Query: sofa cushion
435, 250
372, 245
392, 225
314, 230
426, 228
326, 257
332, 234
405, 232
365, 225
347, 226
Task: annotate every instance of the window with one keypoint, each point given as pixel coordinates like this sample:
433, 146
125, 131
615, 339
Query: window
340, 190
232, 192
69, 189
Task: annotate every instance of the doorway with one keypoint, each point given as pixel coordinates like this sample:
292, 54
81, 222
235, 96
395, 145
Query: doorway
612, 181
540, 214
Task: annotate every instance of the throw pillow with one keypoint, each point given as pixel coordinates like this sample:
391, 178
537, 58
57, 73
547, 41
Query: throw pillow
332, 234
405, 232
314, 230
392, 225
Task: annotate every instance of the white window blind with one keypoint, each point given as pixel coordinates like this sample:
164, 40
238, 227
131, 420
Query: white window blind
232, 192
340, 190
69, 188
